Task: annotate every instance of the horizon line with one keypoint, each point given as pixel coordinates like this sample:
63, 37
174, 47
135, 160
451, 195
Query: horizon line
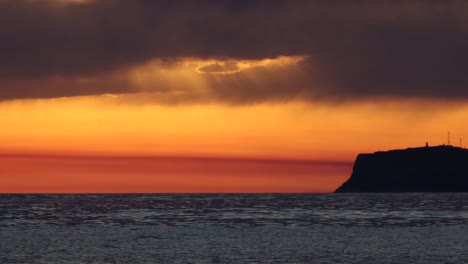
176, 157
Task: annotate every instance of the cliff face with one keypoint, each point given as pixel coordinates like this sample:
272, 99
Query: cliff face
429, 169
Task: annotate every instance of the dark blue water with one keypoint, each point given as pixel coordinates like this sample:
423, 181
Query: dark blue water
236, 209
234, 228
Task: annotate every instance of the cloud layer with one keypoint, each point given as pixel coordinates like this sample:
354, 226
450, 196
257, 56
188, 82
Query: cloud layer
350, 49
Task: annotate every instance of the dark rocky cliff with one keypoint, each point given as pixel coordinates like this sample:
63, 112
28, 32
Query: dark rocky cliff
427, 169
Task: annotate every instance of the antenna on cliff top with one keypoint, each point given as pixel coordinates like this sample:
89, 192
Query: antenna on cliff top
460, 143
448, 138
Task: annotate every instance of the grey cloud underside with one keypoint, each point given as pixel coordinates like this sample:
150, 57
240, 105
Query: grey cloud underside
352, 49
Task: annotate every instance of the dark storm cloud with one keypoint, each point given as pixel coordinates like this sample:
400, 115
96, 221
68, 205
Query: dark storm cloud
352, 49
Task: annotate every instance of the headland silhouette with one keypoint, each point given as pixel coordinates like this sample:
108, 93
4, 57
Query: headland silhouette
426, 169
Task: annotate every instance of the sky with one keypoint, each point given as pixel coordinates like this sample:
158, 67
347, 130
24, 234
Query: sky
222, 96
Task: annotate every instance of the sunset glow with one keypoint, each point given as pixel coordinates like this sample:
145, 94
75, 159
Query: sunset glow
221, 97
96, 144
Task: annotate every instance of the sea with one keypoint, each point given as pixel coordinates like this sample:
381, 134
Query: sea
234, 228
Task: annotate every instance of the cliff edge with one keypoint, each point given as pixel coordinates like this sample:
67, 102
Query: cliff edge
426, 169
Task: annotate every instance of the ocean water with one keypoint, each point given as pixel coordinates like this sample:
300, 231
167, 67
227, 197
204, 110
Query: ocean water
234, 228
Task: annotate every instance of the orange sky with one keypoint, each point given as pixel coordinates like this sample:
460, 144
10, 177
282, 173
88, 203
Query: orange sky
222, 96
26, 173
99, 144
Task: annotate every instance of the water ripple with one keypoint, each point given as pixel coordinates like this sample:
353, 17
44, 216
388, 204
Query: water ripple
366, 210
